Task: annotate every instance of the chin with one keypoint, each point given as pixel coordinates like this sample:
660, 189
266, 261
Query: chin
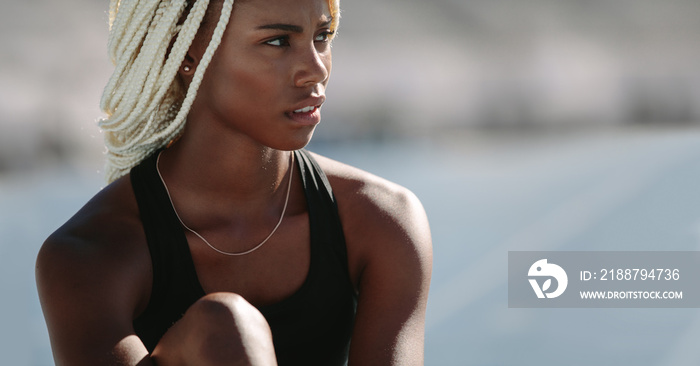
294, 142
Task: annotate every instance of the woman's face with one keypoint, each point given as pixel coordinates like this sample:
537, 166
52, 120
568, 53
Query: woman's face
267, 80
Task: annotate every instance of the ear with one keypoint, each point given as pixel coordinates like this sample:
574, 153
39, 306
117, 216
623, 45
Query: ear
189, 64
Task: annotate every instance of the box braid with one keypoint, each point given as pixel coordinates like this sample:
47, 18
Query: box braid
145, 104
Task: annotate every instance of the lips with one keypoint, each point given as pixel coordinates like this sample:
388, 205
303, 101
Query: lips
307, 113
305, 109
308, 105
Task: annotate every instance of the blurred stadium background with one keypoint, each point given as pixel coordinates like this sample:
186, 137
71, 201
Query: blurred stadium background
522, 125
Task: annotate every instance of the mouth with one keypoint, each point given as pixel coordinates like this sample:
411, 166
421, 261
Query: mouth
308, 105
309, 115
307, 109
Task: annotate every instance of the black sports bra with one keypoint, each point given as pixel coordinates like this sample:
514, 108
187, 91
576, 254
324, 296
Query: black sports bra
311, 327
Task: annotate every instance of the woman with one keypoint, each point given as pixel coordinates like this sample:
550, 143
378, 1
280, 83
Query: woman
220, 240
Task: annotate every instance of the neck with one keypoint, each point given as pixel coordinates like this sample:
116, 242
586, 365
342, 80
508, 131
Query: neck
225, 167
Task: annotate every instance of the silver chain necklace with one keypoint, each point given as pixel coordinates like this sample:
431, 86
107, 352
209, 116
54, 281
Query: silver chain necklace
284, 209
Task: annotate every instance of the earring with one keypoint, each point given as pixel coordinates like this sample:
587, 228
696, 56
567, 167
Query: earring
186, 68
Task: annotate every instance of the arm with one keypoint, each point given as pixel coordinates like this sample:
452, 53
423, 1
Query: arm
88, 310
395, 257
90, 277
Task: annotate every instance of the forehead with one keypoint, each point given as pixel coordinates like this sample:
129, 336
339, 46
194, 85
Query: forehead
282, 11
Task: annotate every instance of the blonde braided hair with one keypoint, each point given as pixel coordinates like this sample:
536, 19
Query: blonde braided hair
145, 103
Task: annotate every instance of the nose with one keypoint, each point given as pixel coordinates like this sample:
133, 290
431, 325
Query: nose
313, 67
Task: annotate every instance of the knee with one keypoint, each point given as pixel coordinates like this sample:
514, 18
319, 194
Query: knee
228, 327
225, 309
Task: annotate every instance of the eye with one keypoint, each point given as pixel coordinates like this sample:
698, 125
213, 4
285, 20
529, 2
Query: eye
324, 36
278, 42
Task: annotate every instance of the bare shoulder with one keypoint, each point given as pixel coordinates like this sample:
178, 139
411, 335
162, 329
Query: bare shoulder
368, 194
105, 234
390, 262
105, 230
379, 217
93, 272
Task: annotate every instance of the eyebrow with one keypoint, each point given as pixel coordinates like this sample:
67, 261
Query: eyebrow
291, 27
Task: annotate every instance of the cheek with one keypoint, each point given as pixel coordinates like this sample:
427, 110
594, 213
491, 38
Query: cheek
244, 83
329, 64
327, 60
252, 80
